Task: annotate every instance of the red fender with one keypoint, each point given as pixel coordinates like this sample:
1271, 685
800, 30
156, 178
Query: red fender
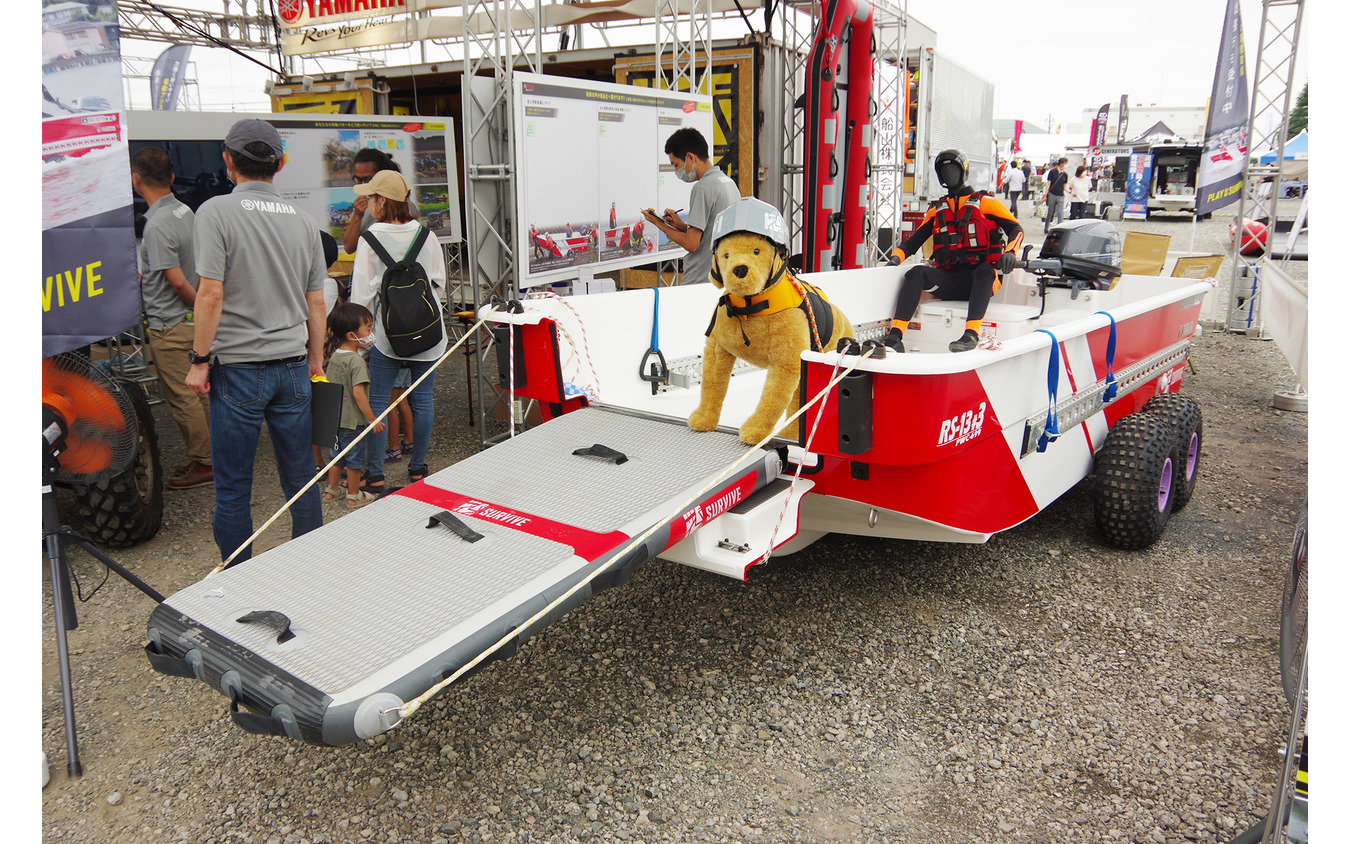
836, 184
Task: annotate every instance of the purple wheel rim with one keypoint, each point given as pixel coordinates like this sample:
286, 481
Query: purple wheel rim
1165, 485
1192, 456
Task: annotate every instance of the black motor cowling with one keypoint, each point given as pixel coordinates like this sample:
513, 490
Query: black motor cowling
1087, 249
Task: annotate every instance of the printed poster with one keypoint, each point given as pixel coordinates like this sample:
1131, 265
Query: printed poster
1137, 182
591, 157
90, 284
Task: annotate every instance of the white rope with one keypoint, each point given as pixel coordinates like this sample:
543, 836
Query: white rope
593, 395
409, 708
796, 476
324, 471
511, 374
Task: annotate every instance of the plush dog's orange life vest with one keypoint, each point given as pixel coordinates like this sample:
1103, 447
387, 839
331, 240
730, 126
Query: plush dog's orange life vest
781, 296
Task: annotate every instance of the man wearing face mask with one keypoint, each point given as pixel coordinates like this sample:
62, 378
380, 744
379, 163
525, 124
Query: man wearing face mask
259, 333
713, 190
969, 231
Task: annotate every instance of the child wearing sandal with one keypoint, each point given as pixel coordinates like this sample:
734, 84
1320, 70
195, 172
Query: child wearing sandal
400, 422
351, 329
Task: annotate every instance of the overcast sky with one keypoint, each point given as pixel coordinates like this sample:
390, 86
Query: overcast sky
1058, 57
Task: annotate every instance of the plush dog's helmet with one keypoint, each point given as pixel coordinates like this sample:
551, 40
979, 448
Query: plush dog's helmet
754, 216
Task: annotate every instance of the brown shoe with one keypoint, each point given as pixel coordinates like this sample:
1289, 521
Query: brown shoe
196, 474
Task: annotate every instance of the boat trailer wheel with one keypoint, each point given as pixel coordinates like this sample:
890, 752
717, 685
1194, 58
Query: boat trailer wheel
1183, 415
1134, 481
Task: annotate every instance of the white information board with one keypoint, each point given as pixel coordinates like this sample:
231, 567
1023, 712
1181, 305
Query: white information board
317, 174
591, 157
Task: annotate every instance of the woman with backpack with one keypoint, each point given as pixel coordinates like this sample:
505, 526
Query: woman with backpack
404, 287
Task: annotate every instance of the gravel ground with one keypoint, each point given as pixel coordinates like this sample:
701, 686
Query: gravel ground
1039, 688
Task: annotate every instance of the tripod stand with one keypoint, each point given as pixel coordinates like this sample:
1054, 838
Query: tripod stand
56, 537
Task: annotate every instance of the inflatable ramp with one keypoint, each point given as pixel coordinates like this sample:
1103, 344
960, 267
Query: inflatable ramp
322, 637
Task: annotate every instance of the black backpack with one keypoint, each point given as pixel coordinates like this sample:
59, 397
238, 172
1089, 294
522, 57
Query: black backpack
407, 308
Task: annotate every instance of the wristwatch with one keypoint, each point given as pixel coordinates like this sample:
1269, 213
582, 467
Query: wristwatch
195, 358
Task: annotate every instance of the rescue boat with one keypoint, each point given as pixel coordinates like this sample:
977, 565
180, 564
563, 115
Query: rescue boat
341, 633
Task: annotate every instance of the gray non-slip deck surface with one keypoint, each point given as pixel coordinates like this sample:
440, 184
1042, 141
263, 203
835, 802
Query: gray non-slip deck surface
366, 590
538, 474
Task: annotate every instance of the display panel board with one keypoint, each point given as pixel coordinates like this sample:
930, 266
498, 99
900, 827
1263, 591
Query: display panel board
733, 93
317, 175
590, 157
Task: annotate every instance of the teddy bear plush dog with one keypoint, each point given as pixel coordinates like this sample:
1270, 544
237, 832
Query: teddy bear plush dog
766, 317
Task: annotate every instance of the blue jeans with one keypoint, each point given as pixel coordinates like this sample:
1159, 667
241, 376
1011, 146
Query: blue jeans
383, 370
243, 396
356, 458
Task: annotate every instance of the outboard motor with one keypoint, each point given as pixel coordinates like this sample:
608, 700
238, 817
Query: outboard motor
1088, 250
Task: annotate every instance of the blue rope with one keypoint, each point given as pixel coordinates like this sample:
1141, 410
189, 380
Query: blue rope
1051, 432
1110, 393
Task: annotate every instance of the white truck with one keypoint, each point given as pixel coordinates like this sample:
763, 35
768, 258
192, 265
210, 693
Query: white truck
949, 107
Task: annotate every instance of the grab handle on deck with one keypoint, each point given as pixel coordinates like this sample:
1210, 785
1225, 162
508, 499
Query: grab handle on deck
604, 452
270, 618
457, 527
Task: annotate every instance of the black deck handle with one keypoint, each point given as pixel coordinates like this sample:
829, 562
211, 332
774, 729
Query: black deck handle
604, 452
659, 372
457, 527
270, 618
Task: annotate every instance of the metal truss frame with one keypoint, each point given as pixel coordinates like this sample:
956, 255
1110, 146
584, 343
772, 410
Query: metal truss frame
491, 56
1272, 94
887, 181
794, 34
140, 20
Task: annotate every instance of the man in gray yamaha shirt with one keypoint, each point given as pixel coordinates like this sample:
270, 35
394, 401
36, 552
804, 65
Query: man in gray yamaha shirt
713, 190
259, 333
168, 292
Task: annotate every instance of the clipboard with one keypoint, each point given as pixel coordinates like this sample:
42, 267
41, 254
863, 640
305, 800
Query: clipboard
326, 410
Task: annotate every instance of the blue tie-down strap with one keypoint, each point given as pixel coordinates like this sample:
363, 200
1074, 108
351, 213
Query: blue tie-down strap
1110, 393
657, 373
1051, 432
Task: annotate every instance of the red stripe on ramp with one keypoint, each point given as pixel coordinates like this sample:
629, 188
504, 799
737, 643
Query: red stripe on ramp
587, 544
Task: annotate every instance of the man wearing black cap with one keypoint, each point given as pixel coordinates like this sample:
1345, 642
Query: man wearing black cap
259, 333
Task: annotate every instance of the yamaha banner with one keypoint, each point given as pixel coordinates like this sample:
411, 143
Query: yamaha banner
166, 79
90, 287
1223, 161
1099, 125
1123, 120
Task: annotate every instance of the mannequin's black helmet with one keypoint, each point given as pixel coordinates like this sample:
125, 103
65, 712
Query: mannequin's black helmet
952, 167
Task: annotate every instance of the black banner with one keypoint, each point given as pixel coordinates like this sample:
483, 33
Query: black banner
90, 286
1223, 161
1099, 138
166, 78
1123, 120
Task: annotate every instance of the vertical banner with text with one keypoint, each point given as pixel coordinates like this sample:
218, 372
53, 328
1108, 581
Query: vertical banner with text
90, 285
166, 78
1122, 120
1137, 181
1099, 125
1224, 159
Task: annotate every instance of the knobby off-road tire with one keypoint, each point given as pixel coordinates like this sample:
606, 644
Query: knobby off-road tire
1133, 481
128, 507
1294, 612
1183, 415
